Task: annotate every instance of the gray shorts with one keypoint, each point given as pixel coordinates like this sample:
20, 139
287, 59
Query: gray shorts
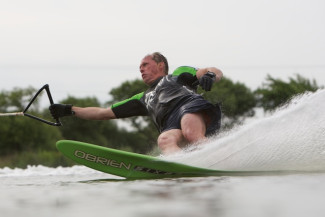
193, 105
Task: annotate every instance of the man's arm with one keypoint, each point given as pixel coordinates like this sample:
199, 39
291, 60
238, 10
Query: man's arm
89, 113
126, 108
93, 113
207, 76
203, 71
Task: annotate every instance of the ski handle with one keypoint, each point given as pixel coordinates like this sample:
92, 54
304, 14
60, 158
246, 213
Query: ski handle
47, 88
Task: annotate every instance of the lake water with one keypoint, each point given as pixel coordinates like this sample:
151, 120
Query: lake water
289, 144
79, 191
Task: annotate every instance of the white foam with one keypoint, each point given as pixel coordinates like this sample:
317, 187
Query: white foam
293, 138
46, 171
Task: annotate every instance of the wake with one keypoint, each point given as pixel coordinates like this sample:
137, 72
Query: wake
292, 139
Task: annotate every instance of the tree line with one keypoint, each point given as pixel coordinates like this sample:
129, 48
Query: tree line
19, 135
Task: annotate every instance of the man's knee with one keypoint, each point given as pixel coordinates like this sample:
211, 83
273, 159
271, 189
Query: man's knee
169, 141
163, 140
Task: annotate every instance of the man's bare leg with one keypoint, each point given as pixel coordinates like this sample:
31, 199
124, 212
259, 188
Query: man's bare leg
193, 131
193, 127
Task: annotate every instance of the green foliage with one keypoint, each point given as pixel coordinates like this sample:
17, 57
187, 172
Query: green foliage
237, 101
127, 89
20, 134
276, 92
45, 158
17, 99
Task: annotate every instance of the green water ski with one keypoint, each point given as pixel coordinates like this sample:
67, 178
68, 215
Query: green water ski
130, 165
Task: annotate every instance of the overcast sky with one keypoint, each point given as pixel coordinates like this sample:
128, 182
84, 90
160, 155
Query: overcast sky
234, 35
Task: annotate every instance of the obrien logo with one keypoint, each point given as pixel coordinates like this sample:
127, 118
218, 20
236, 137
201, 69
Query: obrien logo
116, 164
101, 160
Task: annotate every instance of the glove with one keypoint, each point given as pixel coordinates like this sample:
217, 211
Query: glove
61, 110
207, 80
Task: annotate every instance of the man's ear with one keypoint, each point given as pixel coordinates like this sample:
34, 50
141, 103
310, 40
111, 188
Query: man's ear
161, 66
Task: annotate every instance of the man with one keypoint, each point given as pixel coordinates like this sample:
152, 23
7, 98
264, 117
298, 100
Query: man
180, 114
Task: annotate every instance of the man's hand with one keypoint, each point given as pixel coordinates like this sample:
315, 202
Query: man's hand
61, 110
207, 80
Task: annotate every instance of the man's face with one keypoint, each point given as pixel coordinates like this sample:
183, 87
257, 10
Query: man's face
149, 70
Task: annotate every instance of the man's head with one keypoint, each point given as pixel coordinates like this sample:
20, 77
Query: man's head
152, 67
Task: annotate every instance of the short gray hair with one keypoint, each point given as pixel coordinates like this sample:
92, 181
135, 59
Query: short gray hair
158, 58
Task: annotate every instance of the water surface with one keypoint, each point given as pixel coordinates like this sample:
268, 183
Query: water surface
79, 191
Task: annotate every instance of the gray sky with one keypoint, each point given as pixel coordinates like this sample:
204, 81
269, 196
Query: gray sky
246, 39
